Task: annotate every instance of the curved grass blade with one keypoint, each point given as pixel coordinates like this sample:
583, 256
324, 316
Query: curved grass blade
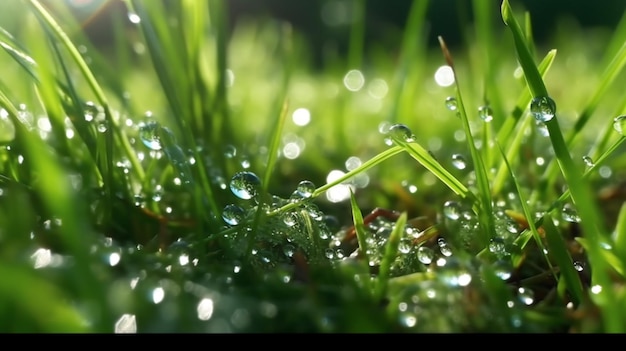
14, 49
504, 134
527, 213
59, 198
485, 213
581, 194
422, 156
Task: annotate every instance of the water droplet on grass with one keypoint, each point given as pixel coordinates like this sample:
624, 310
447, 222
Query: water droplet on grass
543, 108
570, 214
232, 214
619, 124
245, 185
425, 255
305, 189
526, 296
452, 210
458, 161
402, 132
588, 161
485, 113
148, 133
451, 103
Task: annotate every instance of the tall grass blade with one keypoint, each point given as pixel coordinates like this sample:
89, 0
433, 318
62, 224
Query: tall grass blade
581, 194
391, 251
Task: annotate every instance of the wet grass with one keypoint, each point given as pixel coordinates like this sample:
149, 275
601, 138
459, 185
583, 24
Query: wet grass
195, 180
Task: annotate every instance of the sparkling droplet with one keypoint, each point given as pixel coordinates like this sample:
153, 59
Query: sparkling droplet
404, 246
588, 161
619, 124
148, 133
444, 248
503, 269
570, 214
451, 103
458, 161
402, 132
497, 246
305, 189
543, 108
245, 185
232, 214
452, 210
579, 266
425, 255
485, 113
526, 296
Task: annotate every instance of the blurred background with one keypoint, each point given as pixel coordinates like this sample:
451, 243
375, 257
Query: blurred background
324, 23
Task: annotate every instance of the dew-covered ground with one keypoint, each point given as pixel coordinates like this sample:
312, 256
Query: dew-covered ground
191, 236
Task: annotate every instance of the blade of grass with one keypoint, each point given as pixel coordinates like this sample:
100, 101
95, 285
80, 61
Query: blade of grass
59, 197
361, 233
504, 134
485, 213
581, 194
557, 248
391, 251
527, 213
406, 79
14, 49
619, 234
422, 156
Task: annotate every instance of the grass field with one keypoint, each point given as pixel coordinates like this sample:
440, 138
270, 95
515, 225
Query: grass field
188, 178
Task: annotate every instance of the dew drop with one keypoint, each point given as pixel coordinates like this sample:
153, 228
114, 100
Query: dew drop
232, 214
404, 246
458, 161
305, 189
526, 296
579, 266
452, 210
619, 124
543, 108
588, 161
503, 269
444, 248
148, 133
451, 103
485, 113
245, 185
402, 132
425, 255
570, 214
497, 246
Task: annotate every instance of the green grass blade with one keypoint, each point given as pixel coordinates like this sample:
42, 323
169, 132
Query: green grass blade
611, 73
407, 78
484, 192
619, 234
514, 144
422, 156
12, 47
533, 78
527, 213
581, 194
557, 248
277, 129
60, 199
361, 233
391, 251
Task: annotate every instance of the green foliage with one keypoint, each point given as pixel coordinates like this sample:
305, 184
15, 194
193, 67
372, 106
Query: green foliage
194, 178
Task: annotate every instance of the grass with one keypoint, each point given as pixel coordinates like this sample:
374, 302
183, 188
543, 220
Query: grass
192, 179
